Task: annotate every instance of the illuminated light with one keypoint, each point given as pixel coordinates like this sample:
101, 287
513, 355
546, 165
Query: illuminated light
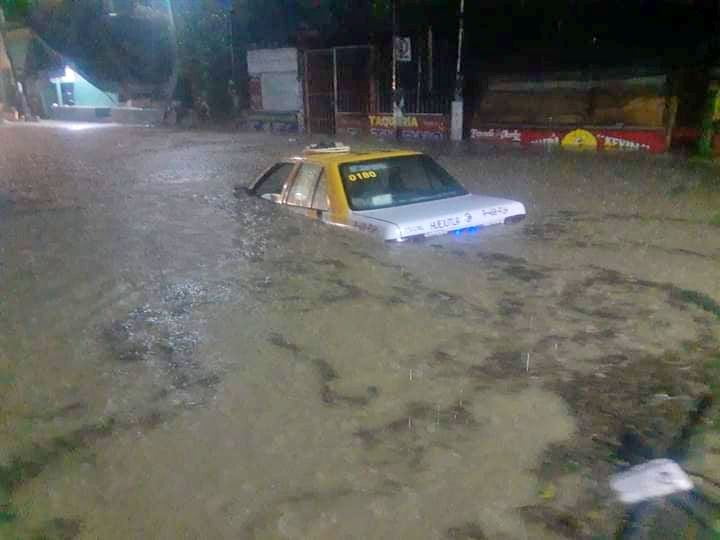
78, 127
69, 77
467, 230
83, 126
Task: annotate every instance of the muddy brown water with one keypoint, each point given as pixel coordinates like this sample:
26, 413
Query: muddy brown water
179, 363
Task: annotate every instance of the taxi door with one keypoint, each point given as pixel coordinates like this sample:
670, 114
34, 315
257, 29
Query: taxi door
306, 191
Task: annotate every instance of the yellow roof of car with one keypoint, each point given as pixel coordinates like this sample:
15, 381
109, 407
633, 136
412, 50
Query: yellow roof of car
346, 157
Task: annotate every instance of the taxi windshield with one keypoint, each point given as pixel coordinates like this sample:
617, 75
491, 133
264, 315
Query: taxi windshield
395, 181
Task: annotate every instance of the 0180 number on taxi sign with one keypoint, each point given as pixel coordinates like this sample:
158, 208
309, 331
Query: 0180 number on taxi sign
362, 175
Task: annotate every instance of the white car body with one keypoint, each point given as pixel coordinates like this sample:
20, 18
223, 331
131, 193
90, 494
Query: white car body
464, 212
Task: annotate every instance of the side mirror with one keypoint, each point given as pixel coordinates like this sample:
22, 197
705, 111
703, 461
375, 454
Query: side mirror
244, 190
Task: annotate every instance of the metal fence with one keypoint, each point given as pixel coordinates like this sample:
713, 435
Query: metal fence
416, 103
422, 80
364, 83
320, 91
359, 80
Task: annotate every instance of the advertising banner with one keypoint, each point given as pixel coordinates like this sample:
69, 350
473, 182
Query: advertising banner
587, 138
433, 127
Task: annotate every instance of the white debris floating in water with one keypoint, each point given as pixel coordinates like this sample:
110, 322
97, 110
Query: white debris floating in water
656, 478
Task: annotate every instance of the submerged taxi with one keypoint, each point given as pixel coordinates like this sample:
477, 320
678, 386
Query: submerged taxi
393, 195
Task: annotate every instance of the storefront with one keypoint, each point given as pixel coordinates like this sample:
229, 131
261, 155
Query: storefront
565, 110
348, 91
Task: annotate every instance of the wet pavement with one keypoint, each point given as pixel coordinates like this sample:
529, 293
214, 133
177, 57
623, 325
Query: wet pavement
176, 362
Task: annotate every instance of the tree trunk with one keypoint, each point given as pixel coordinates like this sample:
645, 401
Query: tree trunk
5, 66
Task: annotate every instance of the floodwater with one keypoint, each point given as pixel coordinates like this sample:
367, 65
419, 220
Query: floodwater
176, 362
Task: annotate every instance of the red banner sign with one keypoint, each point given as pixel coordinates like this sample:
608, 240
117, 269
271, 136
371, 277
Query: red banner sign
582, 138
432, 127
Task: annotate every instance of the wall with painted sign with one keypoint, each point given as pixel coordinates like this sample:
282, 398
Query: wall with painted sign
567, 99
574, 111
585, 138
427, 127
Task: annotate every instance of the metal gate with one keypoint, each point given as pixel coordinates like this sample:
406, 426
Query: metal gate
320, 83
338, 80
356, 87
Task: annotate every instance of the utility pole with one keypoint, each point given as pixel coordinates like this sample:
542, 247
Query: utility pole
456, 112
233, 90
394, 46
396, 93
430, 60
231, 17
458, 66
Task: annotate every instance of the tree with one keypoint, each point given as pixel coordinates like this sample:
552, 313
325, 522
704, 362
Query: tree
132, 51
203, 45
15, 10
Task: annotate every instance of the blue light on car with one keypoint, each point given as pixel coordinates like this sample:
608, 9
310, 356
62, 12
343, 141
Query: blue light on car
466, 230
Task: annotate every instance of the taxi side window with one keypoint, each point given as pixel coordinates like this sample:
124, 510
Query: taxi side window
302, 190
274, 179
320, 199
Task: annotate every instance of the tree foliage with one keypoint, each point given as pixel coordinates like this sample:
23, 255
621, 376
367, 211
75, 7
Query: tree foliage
131, 50
203, 33
203, 38
16, 9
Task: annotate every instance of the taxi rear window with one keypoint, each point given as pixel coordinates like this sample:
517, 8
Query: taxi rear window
395, 181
